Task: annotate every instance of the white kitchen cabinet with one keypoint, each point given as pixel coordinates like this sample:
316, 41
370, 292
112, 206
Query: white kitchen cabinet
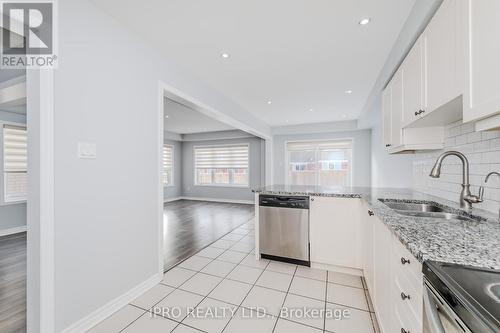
398, 139
367, 246
413, 89
383, 281
386, 116
334, 225
482, 80
443, 57
397, 109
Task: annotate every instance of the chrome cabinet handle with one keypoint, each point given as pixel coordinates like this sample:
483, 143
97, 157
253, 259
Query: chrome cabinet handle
312, 199
404, 261
405, 296
388, 145
370, 213
404, 331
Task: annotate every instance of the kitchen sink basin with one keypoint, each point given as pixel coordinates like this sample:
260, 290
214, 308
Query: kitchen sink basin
438, 215
429, 209
414, 207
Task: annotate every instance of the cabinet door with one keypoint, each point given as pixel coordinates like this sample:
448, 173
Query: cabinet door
397, 109
386, 116
441, 57
482, 88
334, 231
412, 84
383, 282
367, 222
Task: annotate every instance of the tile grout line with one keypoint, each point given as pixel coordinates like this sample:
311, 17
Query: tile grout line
244, 298
284, 300
309, 297
178, 288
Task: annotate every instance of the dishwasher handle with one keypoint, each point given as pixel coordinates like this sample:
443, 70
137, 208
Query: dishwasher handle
300, 202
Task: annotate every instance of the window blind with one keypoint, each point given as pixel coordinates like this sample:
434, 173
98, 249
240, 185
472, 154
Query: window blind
15, 163
221, 165
167, 162
221, 157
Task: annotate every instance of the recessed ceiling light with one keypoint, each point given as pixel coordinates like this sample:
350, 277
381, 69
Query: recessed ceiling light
348, 91
269, 102
225, 55
344, 116
286, 121
365, 21
311, 110
167, 116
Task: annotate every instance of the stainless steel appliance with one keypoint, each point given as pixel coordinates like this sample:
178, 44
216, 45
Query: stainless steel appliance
284, 228
461, 299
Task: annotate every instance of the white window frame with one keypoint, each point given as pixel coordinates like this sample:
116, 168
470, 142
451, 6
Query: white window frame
287, 156
173, 165
2, 177
195, 181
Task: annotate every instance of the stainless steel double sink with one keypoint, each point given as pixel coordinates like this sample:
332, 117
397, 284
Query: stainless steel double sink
429, 209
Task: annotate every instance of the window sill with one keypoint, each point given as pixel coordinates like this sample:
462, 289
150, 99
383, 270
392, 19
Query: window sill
8, 203
222, 185
169, 185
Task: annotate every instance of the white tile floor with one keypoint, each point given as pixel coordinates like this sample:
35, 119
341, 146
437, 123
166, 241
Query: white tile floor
223, 288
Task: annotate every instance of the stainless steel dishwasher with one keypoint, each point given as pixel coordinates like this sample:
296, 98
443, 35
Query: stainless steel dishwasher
284, 228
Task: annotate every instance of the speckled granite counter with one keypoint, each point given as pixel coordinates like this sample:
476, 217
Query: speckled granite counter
455, 241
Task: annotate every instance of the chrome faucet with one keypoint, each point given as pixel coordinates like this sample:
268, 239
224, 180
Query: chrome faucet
481, 188
466, 197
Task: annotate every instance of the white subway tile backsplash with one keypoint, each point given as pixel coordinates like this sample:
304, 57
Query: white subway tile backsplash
483, 152
474, 137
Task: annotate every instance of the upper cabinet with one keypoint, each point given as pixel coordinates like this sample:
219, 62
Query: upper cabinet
402, 140
413, 83
433, 71
443, 58
482, 75
426, 91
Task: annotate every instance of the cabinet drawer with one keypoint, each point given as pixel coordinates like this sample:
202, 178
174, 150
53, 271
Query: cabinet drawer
405, 263
408, 296
406, 322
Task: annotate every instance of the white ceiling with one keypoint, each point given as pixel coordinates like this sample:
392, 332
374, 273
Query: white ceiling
299, 54
184, 120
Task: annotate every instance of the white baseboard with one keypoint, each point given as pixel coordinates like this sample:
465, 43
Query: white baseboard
250, 202
171, 199
11, 231
108, 309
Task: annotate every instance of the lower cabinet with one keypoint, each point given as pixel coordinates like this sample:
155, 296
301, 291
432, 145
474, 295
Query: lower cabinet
397, 280
335, 236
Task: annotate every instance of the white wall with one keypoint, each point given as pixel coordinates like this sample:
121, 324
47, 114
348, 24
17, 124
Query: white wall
106, 210
361, 172
483, 152
388, 170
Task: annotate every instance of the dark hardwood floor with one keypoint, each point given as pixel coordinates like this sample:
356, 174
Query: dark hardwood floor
13, 283
189, 226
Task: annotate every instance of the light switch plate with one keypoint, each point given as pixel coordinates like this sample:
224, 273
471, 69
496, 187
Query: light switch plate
87, 150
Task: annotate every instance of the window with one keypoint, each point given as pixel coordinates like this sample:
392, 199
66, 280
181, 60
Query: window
221, 165
325, 163
15, 167
167, 163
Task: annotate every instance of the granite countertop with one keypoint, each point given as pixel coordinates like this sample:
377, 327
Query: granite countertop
475, 243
